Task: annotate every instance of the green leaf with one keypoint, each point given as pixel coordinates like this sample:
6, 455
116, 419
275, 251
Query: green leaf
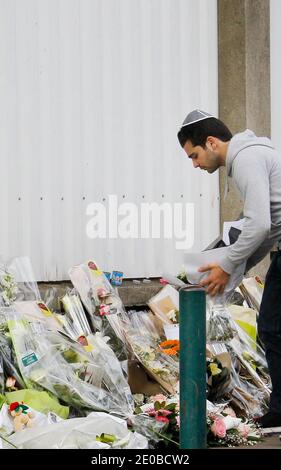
106, 438
171, 407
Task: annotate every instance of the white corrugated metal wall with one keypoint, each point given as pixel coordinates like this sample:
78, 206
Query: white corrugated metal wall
92, 93
275, 47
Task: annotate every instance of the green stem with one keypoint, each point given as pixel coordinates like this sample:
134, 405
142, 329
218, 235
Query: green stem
164, 437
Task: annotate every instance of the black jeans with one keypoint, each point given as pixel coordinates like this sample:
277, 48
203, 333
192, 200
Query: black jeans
269, 328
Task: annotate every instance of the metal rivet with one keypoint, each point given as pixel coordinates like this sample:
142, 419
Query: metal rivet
83, 198
143, 196
62, 199
163, 195
123, 196
181, 195
41, 199
103, 199
19, 199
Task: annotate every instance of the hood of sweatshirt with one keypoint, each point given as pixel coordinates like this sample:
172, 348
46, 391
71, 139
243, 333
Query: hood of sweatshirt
239, 142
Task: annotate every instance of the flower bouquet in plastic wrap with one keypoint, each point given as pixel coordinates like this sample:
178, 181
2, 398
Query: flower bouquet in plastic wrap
37, 311
249, 384
145, 347
225, 429
76, 325
17, 281
10, 376
74, 319
159, 419
51, 361
103, 304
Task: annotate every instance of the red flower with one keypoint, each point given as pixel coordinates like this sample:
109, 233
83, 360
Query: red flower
163, 419
14, 405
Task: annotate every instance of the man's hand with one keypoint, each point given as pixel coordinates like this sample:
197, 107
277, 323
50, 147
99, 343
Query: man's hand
216, 281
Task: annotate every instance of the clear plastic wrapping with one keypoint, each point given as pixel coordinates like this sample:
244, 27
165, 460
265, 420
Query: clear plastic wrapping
249, 384
81, 433
53, 362
146, 348
74, 320
103, 304
17, 281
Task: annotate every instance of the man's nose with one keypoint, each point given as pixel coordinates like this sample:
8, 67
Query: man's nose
195, 164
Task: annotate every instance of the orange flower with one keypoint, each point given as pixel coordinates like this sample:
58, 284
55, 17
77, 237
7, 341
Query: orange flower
170, 347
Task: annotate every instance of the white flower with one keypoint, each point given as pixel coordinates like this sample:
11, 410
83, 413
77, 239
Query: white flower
231, 422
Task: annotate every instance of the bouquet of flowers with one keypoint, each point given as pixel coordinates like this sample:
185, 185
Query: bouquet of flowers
50, 361
8, 288
163, 421
103, 304
225, 429
17, 281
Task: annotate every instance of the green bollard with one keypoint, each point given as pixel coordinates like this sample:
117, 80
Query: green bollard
192, 368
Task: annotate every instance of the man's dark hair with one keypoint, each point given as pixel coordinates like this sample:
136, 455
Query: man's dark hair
198, 132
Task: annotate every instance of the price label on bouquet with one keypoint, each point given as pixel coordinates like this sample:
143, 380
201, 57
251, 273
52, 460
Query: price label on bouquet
44, 309
29, 359
94, 269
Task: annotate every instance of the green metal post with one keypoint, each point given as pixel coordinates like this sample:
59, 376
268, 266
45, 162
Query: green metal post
192, 368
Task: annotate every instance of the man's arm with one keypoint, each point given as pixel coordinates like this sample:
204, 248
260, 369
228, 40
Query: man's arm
251, 176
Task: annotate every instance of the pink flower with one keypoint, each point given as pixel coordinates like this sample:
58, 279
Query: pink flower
159, 398
218, 428
178, 420
164, 412
243, 429
163, 419
152, 413
230, 412
104, 309
101, 293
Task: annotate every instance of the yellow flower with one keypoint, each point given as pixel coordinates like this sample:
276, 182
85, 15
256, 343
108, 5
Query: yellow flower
215, 369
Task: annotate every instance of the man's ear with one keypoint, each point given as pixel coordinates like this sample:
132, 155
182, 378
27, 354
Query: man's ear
210, 142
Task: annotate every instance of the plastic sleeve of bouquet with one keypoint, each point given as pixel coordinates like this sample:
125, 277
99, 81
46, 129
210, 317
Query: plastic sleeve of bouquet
64, 368
113, 376
246, 396
162, 368
142, 321
74, 311
2, 377
21, 270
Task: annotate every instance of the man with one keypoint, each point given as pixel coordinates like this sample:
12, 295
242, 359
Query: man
255, 167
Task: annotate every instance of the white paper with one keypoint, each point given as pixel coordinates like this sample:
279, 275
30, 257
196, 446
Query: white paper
172, 331
194, 261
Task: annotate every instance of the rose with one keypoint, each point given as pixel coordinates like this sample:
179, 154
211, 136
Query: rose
104, 309
162, 419
164, 412
243, 429
218, 428
101, 293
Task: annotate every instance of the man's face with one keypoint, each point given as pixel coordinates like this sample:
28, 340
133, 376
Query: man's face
204, 158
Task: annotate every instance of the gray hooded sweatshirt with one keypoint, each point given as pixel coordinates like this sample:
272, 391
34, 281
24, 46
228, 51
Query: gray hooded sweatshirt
255, 167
